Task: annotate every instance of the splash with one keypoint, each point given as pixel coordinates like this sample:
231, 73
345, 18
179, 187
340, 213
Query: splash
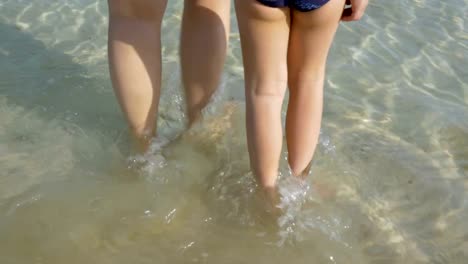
302, 214
150, 161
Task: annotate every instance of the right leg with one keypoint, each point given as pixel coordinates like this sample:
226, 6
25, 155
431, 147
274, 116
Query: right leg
204, 39
134, 46
264, 37
311, 37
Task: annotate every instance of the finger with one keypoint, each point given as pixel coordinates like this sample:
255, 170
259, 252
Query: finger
353, 17
358, 10
355, 11
357, 15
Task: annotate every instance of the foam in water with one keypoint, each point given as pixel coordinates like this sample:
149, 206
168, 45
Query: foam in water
153, 159
301, 214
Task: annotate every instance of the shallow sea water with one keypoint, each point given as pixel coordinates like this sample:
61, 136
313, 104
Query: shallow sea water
389, 182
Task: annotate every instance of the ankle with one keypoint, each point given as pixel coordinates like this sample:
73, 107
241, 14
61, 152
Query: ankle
301, 171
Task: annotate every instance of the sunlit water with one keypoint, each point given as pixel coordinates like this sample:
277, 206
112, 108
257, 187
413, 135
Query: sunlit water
389, 182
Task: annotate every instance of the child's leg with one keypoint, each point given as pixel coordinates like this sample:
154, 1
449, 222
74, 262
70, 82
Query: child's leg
135, 61
264, 37
311, 36
204, 41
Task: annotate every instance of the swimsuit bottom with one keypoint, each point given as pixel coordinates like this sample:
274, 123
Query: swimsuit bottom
301, 5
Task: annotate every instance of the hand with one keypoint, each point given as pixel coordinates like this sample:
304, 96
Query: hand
356, 10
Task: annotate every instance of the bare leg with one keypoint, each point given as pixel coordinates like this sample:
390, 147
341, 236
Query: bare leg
264, 38
135, 61
310, 39
204, 40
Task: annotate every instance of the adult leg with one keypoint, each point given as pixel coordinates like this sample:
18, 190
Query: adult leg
264, 35
204, 41
134, 47
310, 40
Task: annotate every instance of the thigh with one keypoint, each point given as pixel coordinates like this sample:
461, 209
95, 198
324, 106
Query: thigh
311, 37
141, 9
264, 37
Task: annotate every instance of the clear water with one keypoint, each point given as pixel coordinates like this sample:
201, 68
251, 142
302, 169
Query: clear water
389, 181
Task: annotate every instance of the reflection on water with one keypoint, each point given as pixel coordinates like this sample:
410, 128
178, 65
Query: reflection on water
389, 182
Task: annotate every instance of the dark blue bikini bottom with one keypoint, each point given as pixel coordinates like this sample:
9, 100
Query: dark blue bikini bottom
301, 5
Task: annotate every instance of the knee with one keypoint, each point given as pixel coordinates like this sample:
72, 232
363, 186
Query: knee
311, 75
306, 84
272, 88
151, 10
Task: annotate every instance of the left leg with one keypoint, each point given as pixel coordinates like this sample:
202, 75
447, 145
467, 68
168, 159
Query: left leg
204, 41
264, 33
135, 62
310, 40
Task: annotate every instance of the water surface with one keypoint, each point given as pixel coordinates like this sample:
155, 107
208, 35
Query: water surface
389, 182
